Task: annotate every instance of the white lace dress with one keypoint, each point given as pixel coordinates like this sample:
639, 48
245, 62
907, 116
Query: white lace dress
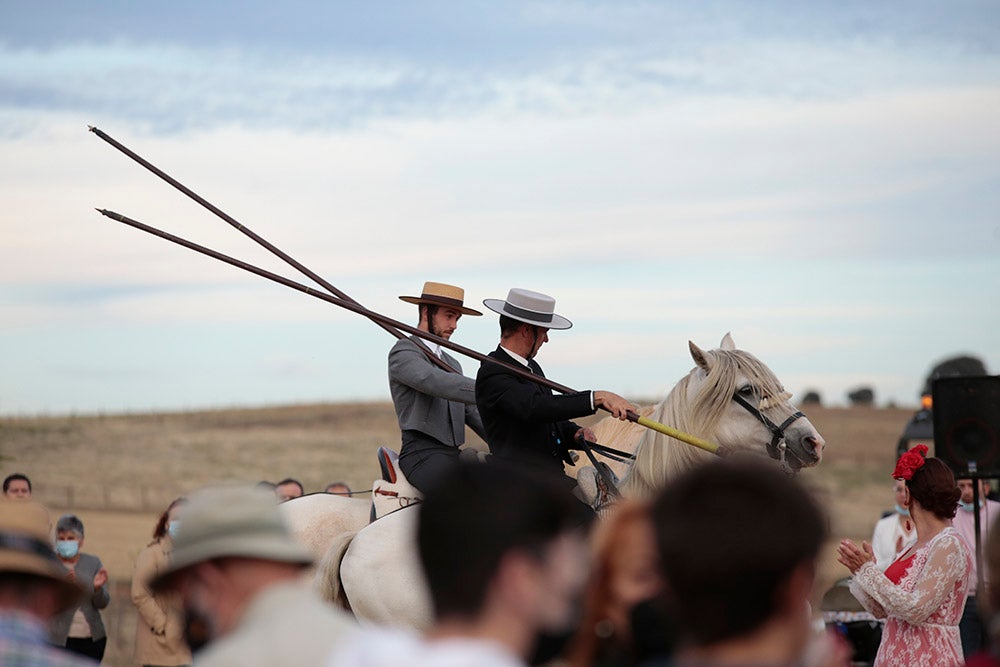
923, 610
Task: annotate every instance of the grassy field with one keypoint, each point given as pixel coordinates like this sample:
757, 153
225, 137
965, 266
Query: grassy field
118, 472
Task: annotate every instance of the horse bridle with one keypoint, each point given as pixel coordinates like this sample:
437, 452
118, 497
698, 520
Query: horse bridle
777, 448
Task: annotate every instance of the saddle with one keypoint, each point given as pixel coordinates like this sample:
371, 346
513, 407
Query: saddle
392, 492
592, 489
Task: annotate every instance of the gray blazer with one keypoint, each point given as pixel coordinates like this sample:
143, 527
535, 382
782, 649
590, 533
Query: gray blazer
90, 603
424, 395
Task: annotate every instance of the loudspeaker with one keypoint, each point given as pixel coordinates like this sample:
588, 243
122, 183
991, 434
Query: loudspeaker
967, 424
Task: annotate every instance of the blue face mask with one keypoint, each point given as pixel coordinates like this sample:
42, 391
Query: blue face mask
968, 507
172, 528
902, 511
67, 548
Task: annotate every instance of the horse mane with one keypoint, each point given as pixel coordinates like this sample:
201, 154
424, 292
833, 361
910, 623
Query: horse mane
658, 457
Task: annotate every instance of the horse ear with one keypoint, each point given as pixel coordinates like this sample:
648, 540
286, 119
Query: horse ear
699, 356
727, 342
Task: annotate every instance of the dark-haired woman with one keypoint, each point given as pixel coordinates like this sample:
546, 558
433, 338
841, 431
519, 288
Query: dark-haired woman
922, 593
159, 635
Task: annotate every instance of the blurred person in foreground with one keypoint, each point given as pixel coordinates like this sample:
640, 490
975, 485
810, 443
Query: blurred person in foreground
738, 543
80, 627
895, 533
33, 589
622, 619
159, 627
971, 627
17, 487
238, 572
505, 563
922, 593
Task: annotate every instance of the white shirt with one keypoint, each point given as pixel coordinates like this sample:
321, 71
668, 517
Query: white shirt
434, 347
390, 647
524, 362
884, 538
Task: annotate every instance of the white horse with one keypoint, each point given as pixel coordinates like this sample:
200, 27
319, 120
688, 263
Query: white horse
317, 519
729, 398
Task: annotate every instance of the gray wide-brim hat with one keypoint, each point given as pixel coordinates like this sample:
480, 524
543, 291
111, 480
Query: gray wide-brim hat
529, 307
231, 522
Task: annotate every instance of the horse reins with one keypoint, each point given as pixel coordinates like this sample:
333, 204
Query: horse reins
777, 447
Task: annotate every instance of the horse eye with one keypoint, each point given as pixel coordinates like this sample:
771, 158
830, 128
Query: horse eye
746, 390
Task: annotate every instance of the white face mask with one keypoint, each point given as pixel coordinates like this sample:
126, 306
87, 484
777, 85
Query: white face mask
67, 548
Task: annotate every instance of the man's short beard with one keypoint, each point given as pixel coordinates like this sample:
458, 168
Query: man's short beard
431, 312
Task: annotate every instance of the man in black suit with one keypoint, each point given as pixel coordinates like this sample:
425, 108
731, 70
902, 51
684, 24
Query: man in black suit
524, 421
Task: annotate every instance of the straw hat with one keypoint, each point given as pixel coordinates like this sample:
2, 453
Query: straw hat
231, 521
26, 546
440, 294
529, 307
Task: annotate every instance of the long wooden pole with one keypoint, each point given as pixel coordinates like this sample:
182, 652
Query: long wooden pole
329, 298
387, 321
260, 240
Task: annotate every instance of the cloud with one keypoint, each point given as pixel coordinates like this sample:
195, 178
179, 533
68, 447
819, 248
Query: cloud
820, 182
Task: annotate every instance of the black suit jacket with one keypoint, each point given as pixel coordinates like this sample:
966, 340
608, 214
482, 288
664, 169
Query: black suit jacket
525, 421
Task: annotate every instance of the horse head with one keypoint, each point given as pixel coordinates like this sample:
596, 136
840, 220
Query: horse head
732, 399
743, 405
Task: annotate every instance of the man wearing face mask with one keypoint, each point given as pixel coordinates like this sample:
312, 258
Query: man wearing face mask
971, 626
505, 565
894, 533
238, 572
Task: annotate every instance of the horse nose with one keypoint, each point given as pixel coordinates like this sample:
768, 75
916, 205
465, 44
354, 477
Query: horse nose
817, 443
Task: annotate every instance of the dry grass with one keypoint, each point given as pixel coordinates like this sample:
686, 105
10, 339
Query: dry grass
117, 472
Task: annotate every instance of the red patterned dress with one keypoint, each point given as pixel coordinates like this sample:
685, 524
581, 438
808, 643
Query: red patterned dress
922, 610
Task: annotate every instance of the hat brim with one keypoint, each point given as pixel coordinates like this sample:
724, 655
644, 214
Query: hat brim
261, 547
431, 302
557, 322
23, 563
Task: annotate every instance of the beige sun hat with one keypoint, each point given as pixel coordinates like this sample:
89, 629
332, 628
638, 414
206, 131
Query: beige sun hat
26, 547
440, 294
529, 307
234, 522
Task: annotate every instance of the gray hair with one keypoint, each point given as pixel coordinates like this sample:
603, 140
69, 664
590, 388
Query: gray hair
70, 522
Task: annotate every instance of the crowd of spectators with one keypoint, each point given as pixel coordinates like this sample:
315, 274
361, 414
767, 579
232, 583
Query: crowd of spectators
716, 570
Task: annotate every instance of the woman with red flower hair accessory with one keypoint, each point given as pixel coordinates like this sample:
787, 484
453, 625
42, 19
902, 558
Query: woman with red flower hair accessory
922, 593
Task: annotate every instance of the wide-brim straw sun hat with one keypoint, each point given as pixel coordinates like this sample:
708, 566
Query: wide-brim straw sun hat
231, 522
441, 294
530, 307
26, 547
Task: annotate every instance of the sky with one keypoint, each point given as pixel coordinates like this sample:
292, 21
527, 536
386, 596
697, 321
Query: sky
820, 179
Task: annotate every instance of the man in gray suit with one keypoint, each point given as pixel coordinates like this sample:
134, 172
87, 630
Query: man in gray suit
432, 405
